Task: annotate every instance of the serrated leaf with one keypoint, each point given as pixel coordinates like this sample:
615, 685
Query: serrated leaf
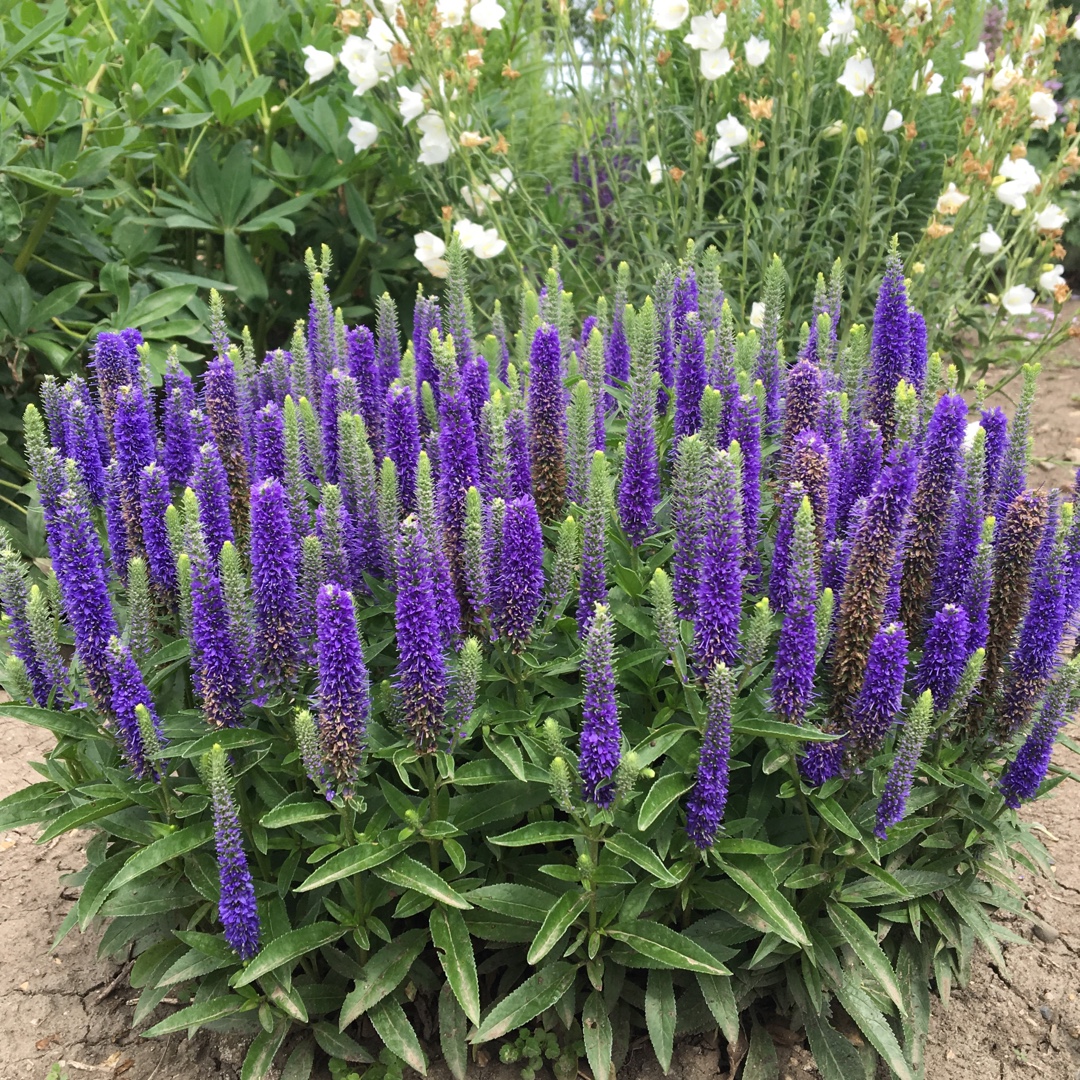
161, 851
301, 1062
338, 1044
874, 1026
82, 815
202, 1013
392, 1026
381, 976
556, 922
530, 999
346, 863
597, 1035
406, 873
660, 1015
538, 832
859, 936
637, 852
668, 946
263, 1050
761, 1063
720, 998
834, 1056
288, 948
660, 796
758, 881
522, 902
451, 937
453, 1032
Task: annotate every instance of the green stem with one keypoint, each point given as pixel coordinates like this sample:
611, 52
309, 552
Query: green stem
45, 215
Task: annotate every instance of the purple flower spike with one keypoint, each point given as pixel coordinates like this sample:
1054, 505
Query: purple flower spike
593, 582
938, 472
344, 695
878, 701
890, 347
179, 450
617, 349
422, 681
639, 486
708, 800
128, 692
364, 372
600, 733
802, 403
79, 563
403, 440
944, 655
154, 501
387, 342
689, 377
996, 425
15, 597
780, 569
822, 761
425, 319
115, 525
85, 439
518, 453
237, 908
748, 432
796, 651
222, 406
212, 491
893, 805
115, 364
719, 593
1025, 774
547, 423
517, 587
133, 437
275, 571
270, 442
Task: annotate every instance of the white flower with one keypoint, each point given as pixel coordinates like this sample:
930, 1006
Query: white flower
362, 133
893, 119
917, 11
430, 250
1017, 300
488, 244
1005, 76
1011, 193
707, 31
757, 315
655, 169
929, 78
670, 14
318, 64
1075, 28
757, 51
411, 104
971, 86
973, 429
380, 35
502, 179
837, 127
858, 74
1050, 218
977, 59
365, 64
435, 144
1022, 171
479, 198
1043, 109
1038, 38
840, 31
1050, 279
487, 14
715, 63
989, 242
950, 200
469, 233
451, 12
731, 131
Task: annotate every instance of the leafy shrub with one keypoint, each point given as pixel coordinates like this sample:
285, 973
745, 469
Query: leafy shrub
544, 689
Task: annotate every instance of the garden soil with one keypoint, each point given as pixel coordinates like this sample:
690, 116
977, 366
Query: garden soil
68, 1005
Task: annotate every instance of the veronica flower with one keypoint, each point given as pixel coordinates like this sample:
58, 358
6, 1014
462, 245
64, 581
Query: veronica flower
115, 523
593, 587
961, 540
425, 319
212, 491
403, 440
768, 359
687, 514
890, 347
133, 438
270, 443
639, 485
154, 501
275, 572
363, 369
708, 800
1009, 481
236, 906
944, 655
893, 805
547, 423
878, 700
85, 440
344, 695
822, 761
690, 376
517, 584
617, 348
802, 402
115, 364
779, 572
15, 597
221, 402
128, 692
600, 733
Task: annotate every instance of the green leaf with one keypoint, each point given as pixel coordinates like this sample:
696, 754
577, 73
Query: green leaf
530, 999
758, 725
407, 873
596, 1032
339, 1045
761, 1063
287, 949
834, 1056
301, 1062
718, 995
874, 1026
667, 946
514, 901
161, 851
263, 1049
453, 1032
539, 832
77, 724
82, 815
381, 975
556, 922
758, 881
859, 936
451, 937
660, 796
348, 862
293, 812
834, 814
626, 846
660, 1015
392, 1026
203, 1013
972, 913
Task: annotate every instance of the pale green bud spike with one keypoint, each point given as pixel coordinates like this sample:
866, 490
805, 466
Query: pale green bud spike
825, 346
906, 410
307, 742
473, 542
150, 739
626, 775
140, 610
431, 409
594, 364
234, 585
664, 616
804, 337
561, 785
580, 435
758, 633
823, 621
565, 566
747, 346
389, 514
311, 435
712, 405
425, 500
16, 680
183, 577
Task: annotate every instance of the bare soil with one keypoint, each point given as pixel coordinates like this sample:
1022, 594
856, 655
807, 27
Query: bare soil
69, 1005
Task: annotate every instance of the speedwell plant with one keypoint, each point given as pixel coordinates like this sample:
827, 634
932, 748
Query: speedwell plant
588, 679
